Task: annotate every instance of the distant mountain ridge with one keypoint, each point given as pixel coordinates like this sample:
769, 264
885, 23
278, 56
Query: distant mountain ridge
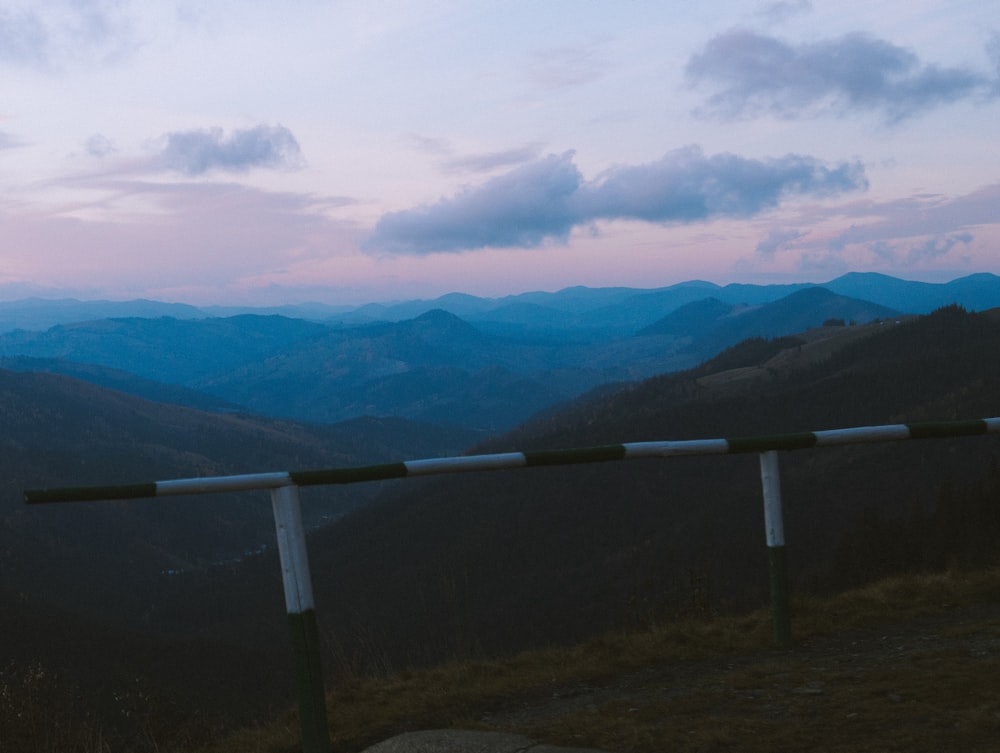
619, 311
977, 292
436, 367
42, 313
607, 309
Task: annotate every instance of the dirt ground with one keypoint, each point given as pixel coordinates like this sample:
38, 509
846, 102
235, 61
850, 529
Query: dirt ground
929, 684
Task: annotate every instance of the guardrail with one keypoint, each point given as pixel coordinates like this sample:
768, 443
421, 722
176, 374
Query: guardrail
283, 487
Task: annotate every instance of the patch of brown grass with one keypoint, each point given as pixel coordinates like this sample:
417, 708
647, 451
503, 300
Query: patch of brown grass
894, 599
714, 685
932, 704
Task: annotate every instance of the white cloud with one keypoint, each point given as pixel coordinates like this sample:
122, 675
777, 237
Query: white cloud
99, 145
201, 151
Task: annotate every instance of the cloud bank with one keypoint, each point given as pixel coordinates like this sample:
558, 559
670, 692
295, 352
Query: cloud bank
754, 74
61, 34
913, 232
201, 151
145, 235
546, 199
22, 38
917, 216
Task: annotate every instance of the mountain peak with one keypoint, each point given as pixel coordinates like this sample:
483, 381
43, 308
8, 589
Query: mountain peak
441, 322
440, 316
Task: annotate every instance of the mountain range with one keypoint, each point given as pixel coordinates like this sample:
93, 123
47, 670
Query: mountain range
605, 310
436, 367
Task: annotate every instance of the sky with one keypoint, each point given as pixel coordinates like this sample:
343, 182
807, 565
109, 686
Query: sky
259, 153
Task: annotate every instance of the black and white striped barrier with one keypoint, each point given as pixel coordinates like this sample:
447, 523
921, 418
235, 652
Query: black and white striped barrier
284, 485
510, 460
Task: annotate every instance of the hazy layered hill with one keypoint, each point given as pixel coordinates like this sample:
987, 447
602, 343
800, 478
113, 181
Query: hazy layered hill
601, 313
713, 325
977, 292
42, 313
580, 311
434, 368
121, 381
166, 349
694, 319
620, 310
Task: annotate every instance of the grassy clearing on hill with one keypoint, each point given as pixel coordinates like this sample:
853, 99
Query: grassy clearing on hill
907, 664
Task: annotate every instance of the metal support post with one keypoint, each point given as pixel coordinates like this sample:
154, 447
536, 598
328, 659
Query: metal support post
774, 526
301, 619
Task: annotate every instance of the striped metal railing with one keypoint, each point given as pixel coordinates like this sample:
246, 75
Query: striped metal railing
283, 487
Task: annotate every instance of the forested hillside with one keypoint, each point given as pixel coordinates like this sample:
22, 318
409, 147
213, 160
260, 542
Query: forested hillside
496, 561
81, 585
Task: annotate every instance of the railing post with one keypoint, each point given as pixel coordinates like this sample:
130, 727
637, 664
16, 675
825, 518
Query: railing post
774, 526
301, 619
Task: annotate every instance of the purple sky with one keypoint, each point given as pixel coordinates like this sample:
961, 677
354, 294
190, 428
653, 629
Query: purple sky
345, 152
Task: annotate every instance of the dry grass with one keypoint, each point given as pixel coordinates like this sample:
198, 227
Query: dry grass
935, 701
907, 664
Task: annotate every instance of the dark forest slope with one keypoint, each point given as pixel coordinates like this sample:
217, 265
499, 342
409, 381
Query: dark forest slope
504, 560
82, 586
55, 431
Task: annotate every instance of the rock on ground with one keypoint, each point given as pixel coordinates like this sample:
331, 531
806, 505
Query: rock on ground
466, 741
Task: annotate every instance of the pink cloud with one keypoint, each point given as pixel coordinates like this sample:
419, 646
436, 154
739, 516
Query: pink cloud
923, 231
150, 235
